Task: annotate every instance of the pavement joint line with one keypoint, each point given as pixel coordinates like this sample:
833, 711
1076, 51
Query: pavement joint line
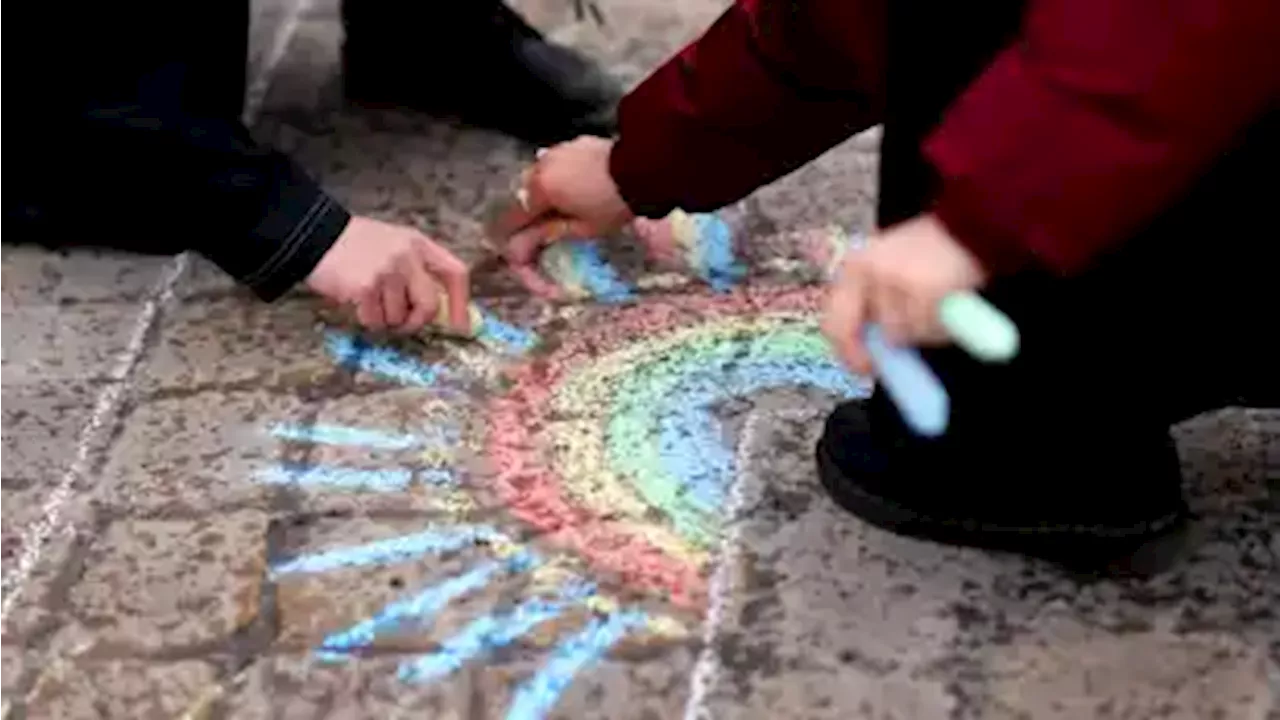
105, 407
256, 93
707, 667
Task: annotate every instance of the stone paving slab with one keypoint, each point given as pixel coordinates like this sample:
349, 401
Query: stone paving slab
119, 688
231, 341
284, 518
42, 421
825, 616
289, 687
161, 585
35, 276
192, 454
65, 343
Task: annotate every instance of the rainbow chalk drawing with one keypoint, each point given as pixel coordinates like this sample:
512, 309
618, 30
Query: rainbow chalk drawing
607, 447
627, 406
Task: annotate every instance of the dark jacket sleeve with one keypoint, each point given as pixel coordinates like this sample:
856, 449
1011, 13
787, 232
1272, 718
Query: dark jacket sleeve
247, 208
1100, 116
766, 89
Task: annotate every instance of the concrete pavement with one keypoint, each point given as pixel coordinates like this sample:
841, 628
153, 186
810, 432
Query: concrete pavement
216, 508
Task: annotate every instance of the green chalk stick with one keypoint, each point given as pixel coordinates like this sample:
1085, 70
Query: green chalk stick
978, 327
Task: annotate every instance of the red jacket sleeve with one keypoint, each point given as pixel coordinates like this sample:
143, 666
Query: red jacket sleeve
1102, 115
765, 90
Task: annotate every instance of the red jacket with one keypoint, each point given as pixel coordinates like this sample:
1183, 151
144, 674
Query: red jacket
1098, 116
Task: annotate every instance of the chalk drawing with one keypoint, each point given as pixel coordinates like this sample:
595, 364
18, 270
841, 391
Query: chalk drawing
385, 363
741, 494
346, 435
537, 697
106, 407
607, 445
578, 267
421, 609
612, 393
303, 475
490, 632
504, 337
396, 549
708, 244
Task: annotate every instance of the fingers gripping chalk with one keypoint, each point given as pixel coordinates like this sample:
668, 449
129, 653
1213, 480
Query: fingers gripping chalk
440, 325
970, 321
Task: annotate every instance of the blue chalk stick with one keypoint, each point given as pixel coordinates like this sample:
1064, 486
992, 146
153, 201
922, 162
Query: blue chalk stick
911, 384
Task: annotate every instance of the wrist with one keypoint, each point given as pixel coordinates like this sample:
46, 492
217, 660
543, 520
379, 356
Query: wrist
632, 184
974, 268
965, 224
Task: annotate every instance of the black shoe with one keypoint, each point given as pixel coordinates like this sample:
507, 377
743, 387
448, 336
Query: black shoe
1127, 517
483, 64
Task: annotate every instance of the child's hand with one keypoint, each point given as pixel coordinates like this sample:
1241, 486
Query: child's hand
897, 281
393, 277
567, 193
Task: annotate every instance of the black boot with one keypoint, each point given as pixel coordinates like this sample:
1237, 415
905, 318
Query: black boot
1092, 510
477, 61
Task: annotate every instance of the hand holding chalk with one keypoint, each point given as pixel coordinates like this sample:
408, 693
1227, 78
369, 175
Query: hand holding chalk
969, 320
975, 325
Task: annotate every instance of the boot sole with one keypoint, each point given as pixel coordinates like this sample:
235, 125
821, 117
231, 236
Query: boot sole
1143, 549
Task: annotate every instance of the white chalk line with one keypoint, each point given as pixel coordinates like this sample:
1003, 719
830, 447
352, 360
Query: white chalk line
37, 534
706, 669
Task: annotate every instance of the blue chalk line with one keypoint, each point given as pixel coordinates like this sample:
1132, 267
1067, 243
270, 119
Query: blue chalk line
714, 259
345, 435
304, 475
691, 436
597, 276
421, 609
491, 632
505, 336
354, 353
536, 697
392, 550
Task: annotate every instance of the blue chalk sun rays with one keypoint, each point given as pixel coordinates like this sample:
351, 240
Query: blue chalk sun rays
420, 609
